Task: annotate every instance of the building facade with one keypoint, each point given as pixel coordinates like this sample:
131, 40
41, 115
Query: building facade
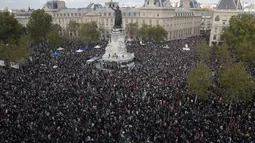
221, 16
206, 24
178, 22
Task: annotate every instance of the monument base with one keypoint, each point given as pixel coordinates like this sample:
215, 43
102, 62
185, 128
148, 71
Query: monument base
116, 54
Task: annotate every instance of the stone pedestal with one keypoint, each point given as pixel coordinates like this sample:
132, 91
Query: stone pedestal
116, 55
116, 50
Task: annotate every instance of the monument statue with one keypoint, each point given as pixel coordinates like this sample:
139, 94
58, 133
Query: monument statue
118, 17
116, 52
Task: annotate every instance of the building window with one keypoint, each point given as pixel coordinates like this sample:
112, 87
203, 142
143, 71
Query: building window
143, 14
157, 15
109, 14
71, 14
134, 14
215, 30
157, 22
224, 22
150, 22
126, 20
64, 14
143, 21
79, 14
75, 14
129, 14
124, 14
214, 37
104, 14
67, 14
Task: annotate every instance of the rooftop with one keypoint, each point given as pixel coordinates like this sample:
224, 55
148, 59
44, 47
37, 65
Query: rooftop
229, 4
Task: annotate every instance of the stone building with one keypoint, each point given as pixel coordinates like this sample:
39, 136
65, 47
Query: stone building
221, 16
23, 17
179, 22
206, 24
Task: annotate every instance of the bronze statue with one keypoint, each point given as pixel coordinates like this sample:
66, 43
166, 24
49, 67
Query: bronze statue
118, 17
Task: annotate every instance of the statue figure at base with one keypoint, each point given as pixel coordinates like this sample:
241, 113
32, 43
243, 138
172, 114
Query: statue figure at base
118, 17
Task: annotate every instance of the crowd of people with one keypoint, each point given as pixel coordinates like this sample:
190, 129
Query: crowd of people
75, 102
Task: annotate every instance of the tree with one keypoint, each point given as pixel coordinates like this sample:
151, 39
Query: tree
53, 35
223, 55
4, 51
9, 27
15, 51
145, 31
203, 51
22, 50
39, 25
54, 38
158, 33
206, 9
199, 80
132, 29
246, 52
102, 32
235, 83
89, 32
73, 27
241, 28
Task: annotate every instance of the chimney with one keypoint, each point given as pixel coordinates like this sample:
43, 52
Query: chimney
185, 4
151, 3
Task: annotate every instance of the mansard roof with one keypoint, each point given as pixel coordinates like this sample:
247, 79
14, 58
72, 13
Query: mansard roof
229, 4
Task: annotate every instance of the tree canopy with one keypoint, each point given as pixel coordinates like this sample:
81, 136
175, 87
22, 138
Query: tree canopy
89, 32
132, 29
156, 33
241, 28
206, 9
235, 83
239, 37
15, 51
9, 27
145, 31
199, 80
223, 55
73, 27
53, 36
39, 25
